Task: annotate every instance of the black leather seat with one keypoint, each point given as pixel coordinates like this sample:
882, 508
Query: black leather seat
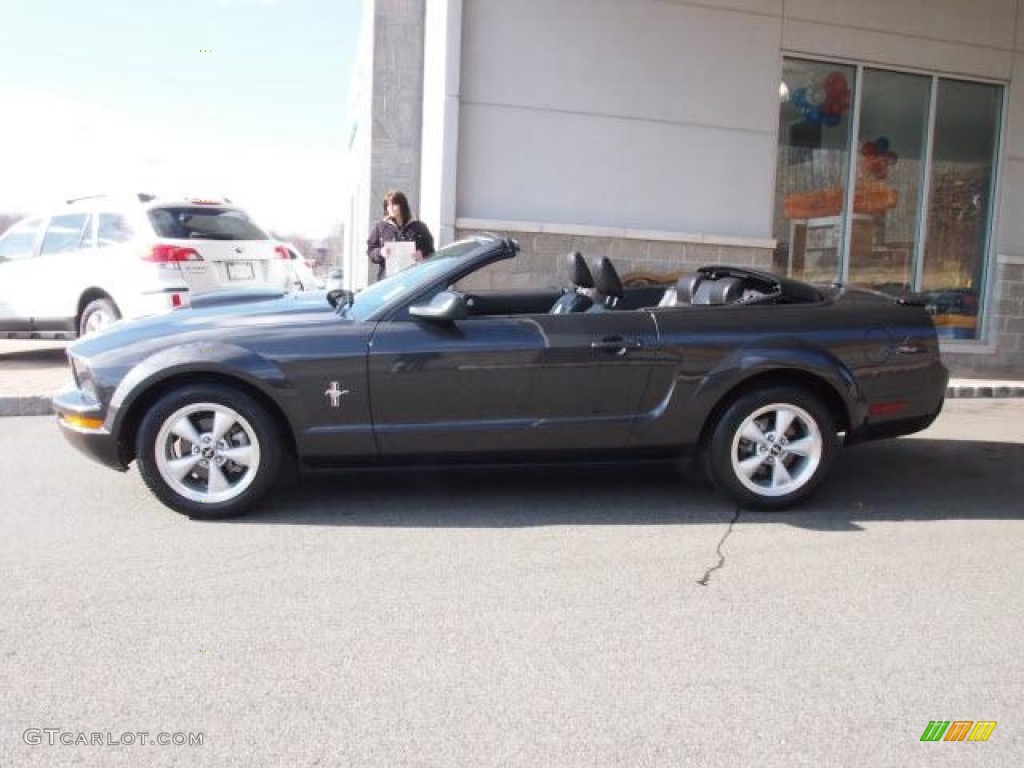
682, 292
608, 285
700, 289
724, 290
576, 299
581, 276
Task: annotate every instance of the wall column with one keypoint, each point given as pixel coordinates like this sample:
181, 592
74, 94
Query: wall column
397, 101
442, 62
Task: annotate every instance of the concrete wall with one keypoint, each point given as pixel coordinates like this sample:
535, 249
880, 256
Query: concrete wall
619, 113
964, 37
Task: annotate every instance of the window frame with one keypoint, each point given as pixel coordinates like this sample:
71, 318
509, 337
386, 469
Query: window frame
998, 160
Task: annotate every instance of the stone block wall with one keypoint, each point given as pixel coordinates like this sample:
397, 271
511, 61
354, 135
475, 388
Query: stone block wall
543, 258
397, 105
1005, 330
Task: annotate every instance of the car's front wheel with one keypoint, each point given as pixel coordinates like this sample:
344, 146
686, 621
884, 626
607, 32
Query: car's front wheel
98, 314
208, 451
772, 447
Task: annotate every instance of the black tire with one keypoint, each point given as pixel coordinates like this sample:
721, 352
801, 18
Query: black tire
220, 476
98, 314
756, 466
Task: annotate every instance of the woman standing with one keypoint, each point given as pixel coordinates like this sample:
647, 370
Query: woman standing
398, 224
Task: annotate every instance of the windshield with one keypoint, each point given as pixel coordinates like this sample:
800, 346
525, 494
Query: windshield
406, 282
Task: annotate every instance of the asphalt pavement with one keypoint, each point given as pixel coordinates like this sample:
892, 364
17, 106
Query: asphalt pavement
33, 371
612, 616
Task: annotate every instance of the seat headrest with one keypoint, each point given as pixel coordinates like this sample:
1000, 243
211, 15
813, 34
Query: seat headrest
686, 286
607, 280
724, 290
579, 272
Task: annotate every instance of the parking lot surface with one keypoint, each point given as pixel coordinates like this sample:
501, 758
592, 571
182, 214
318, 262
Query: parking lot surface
600, 616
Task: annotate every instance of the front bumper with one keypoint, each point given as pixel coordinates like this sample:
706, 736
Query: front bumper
81, 420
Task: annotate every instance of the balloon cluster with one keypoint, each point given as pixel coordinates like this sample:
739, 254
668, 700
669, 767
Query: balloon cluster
877, 158
823, 102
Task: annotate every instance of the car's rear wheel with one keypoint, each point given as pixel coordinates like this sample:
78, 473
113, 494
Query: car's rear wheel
98, 314
208, 451
772, 447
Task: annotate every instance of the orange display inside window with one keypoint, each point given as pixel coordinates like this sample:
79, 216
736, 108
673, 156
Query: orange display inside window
872, 197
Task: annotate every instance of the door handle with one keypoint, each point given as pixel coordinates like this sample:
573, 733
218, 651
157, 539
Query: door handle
617, 344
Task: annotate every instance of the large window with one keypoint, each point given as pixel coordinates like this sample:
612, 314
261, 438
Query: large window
65, 233
885, 179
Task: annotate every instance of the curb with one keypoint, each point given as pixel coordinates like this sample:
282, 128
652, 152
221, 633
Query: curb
30, 405
37, 405
955, 391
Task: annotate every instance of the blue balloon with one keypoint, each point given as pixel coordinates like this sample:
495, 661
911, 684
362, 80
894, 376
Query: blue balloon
832, 120
882, 144
813, 116
799, 97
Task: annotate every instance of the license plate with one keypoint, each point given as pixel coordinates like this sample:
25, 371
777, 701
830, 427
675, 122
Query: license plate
241, 270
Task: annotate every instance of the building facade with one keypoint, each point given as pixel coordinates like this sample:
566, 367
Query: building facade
879, 142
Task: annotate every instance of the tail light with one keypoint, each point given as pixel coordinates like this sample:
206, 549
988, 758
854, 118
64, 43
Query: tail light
282, 252
179, 300
171, 254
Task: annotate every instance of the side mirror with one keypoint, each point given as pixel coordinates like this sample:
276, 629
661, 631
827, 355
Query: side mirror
447, 306
341, 296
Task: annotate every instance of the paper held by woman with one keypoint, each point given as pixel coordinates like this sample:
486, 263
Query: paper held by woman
400, 254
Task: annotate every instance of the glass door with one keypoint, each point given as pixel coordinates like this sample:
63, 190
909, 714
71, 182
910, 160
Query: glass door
891, 158
960, 204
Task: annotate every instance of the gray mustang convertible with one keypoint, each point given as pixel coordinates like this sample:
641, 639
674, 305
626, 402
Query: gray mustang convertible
754, 375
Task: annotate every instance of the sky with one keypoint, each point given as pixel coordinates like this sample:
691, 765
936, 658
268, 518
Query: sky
246, 99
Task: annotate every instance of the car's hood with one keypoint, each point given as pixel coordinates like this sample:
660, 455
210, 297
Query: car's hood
216, 321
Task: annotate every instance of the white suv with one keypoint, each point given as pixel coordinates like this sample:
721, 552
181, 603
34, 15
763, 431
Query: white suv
77, 269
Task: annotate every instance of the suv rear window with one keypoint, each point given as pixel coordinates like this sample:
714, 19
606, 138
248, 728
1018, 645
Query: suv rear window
204, 224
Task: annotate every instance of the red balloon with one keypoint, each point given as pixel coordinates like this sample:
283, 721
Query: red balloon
836, 82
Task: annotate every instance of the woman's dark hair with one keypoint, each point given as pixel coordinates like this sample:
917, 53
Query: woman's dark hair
399, 198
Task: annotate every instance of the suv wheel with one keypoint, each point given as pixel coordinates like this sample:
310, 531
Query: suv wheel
98, 314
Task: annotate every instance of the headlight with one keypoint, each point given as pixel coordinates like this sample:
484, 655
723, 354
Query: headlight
83, 377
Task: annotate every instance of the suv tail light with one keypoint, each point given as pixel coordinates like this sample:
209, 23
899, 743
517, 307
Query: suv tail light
282, 252
165, 254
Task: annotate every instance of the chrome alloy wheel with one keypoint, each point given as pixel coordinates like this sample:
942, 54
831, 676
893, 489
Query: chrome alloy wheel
97, 320
776, 450
207, 452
